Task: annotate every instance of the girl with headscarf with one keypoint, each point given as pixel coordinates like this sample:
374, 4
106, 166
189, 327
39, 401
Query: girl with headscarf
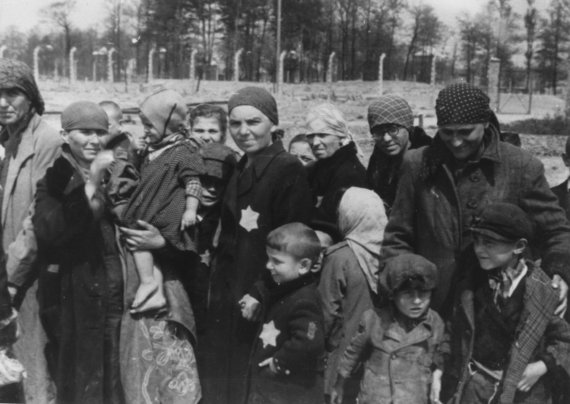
337, 163
349, 275
31, 146
268, 189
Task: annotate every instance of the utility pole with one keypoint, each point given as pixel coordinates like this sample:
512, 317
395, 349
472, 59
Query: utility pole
278, 47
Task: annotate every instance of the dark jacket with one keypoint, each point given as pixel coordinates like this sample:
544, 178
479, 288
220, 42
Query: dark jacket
291, 334
397, 363
260, 197
563, 195
434, 207
538, 330
90, 280
383, 170
329, 176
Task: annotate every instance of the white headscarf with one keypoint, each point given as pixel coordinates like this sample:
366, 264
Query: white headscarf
362, 220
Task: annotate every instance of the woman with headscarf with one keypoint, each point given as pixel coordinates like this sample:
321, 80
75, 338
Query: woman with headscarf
337, 163
443, 186
349, 277
268, 189
391, 121
31, 146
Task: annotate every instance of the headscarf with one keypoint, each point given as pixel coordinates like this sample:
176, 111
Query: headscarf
256, 97
166, 110
326, 118
390, 109
84, 115
362, 220
462, 104
16, 74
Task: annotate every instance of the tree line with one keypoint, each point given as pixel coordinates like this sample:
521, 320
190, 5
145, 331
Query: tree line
409, 33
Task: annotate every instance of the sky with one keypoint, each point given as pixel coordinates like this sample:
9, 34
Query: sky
25, 14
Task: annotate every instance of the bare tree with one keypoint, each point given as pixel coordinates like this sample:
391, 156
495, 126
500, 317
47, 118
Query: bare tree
530, 19
59, 12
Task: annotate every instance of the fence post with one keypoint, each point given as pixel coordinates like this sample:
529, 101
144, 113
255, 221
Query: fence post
110, 72
150, 57
72, 71
381, 74
493, 83
280, 72
2, 49
330, 67
236, 64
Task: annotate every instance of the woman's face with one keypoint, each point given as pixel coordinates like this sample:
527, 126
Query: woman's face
463, 141
84, 144
14, 105
391, 139
208, 129
323, 144
250, 129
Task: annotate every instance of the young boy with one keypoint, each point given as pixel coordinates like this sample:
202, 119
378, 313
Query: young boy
209, 122
505, 336
403, 340
286, 355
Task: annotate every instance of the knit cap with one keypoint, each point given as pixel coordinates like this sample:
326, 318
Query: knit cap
16, 74
165, 109
503, 221
326, 118
410, 270
256, 97
462, 104
219, 160
84, 115
390, 109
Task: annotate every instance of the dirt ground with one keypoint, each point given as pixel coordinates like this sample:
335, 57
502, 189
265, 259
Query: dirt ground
295, 100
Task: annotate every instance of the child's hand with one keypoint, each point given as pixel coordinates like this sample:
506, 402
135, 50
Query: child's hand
250, 308
435, 386
101, 163
531, 374
271, 363
189, 218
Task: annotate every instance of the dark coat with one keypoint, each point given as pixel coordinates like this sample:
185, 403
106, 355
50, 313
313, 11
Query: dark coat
382, 172
434, 209
538, 330
561, 192
261, 196
90, 280
329, 176
291, 334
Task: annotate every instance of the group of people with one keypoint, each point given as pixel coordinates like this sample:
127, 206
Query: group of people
172, 268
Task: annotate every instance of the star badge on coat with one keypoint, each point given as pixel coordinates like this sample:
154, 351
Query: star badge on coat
249, 219
269, 334
206, 258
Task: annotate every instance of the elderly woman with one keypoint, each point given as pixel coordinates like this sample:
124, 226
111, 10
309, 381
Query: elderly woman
443, 186
391, 124
79, 236
268, 189
337, 166
31, 146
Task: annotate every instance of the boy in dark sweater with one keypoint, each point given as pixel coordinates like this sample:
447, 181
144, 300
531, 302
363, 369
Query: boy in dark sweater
286, 355
505, 336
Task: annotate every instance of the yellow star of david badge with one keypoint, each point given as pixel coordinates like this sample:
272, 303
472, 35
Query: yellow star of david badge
269, 334
206, 258
249, 219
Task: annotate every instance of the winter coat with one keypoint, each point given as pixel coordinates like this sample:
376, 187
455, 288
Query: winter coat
382, 172
434, 207
291, 334
327, 177
261, 196
538, 330
90, 281
345, 295
563, 195
399, 364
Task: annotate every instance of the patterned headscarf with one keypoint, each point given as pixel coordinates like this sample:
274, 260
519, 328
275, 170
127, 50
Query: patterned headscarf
16, 74
462, 103
390, 109
362, 220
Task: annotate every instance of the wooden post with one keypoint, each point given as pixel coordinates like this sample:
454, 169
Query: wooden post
150, 65
330, 68
381, 74
236, 64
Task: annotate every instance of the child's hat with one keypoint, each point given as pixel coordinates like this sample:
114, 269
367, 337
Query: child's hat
219, 160
503, 221
165, 109
409, 270
84, 115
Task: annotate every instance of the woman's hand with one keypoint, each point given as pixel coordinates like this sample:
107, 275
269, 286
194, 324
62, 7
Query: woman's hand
146, 238
531, 374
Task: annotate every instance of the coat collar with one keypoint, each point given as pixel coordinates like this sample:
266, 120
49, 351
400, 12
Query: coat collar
396, 337
250, 175
279, 291
340, 156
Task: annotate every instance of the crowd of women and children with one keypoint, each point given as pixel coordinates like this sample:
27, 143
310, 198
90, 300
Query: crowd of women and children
171, 268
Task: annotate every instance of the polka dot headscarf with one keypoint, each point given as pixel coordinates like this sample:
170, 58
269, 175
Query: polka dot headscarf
460, 104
